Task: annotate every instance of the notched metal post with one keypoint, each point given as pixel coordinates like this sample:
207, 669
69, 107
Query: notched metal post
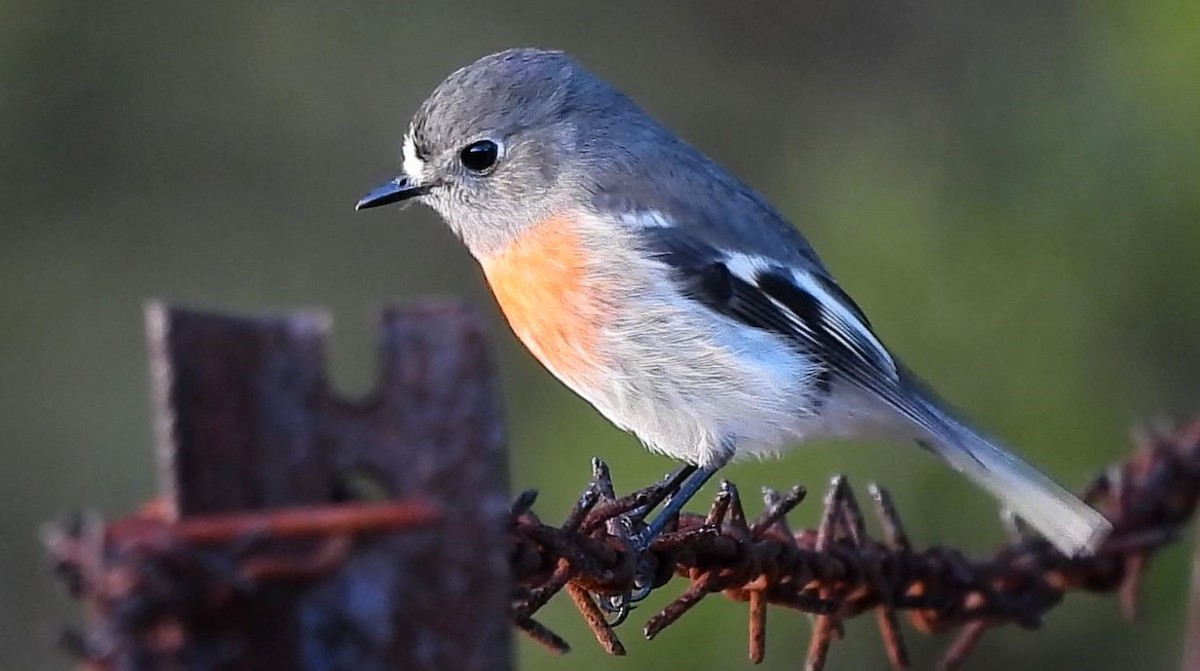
261, 553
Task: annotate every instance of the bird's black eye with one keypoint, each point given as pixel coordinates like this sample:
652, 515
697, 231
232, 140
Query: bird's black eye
479, 157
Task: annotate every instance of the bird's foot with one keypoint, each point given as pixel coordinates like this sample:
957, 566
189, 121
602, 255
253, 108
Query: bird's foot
645, 580
640, 536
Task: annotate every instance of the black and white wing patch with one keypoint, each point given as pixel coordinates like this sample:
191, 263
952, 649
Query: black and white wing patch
827, 312
807, 309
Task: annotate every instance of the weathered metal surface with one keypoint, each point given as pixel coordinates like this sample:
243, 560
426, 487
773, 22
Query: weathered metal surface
246, 422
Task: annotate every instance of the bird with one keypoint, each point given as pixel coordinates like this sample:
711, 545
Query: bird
669, 294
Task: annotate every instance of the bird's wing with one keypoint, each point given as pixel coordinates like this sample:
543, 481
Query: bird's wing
801, 304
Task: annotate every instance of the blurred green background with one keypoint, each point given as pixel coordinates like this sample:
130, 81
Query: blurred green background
1010, 190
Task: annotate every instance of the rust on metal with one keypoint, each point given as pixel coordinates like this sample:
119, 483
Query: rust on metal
299, 530
837, 571
261, 553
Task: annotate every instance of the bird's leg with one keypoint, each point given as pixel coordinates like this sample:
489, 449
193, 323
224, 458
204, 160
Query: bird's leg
682, 483
671, 483
693, 478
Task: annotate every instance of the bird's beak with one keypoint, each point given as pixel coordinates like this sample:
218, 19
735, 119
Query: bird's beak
400, 189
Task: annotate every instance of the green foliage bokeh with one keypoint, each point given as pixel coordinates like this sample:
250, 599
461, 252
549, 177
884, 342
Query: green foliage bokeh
1010, 190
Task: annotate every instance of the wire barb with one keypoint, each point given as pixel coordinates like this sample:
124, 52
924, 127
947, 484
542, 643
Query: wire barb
150, 580
837, 571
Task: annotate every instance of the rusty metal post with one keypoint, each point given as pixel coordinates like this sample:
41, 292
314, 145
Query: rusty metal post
245, 421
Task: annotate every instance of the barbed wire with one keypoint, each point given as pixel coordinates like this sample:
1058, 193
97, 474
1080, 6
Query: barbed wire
147, 574
837, 571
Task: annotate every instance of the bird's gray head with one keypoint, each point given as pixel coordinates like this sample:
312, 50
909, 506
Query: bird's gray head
508, 140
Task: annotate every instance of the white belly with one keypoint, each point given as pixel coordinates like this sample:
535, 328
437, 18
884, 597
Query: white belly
699, 387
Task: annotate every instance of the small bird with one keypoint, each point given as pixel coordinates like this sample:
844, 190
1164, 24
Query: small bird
669, 294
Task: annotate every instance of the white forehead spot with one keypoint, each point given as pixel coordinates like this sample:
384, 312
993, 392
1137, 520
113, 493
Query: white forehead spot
413, 166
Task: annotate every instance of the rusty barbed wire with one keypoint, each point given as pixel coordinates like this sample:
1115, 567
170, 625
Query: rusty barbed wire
158, 579
175, 593
837, 571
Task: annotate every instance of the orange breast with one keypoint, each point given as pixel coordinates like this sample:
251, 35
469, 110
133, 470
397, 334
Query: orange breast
543, 287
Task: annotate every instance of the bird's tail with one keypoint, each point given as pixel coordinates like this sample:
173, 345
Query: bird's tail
1064, 520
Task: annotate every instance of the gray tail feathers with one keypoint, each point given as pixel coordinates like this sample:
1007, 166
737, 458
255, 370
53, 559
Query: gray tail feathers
1068, 523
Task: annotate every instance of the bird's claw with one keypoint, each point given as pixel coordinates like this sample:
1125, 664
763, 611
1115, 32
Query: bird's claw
618, 606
